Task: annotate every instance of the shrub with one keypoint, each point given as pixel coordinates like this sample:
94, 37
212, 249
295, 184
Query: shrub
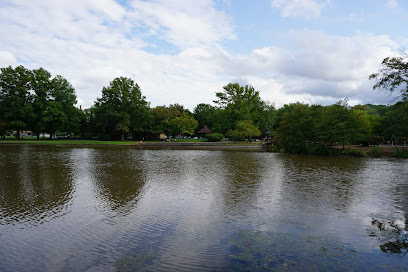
325, 150
353, 153
214, 137
87, 136
103, 137
376, 152
400, 153
273, 148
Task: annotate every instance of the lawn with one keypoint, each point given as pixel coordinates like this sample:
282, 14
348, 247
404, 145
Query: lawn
33, 140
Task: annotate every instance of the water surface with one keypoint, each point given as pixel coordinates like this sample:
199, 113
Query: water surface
96, 208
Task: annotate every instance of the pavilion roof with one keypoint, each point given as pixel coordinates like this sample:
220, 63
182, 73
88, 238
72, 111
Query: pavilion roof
204, 130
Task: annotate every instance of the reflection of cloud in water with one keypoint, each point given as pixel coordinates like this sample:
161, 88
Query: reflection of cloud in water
183, 192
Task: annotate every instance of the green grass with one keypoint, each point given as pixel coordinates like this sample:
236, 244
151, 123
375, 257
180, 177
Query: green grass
187, 140
66, 142
33, 140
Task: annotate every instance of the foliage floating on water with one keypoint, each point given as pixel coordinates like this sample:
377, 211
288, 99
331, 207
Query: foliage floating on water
133, 263
268, 251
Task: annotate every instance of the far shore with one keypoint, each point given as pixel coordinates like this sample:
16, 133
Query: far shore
227, 145
188, 145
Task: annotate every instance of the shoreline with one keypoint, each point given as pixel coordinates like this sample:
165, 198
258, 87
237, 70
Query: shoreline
221, 146
258, 146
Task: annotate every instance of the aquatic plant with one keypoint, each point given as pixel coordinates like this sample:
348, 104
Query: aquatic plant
268, 251
132, 263
393, 238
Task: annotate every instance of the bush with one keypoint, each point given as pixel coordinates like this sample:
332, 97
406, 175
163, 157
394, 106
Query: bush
325, 150
296, 148
400, 153
273, 148
103, 137
87, 136
214, 137
376, 152
353, 153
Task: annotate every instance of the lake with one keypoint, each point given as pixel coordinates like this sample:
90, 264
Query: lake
126, 209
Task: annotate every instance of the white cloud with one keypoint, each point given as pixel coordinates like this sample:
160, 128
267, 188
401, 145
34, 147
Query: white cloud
299, 8
391, 4
183, 23
92, 42
7, 58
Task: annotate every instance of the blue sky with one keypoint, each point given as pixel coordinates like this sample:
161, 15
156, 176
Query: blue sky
183, 51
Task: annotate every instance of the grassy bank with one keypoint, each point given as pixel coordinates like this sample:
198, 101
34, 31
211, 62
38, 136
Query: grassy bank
33, 140
66, 142
352, 151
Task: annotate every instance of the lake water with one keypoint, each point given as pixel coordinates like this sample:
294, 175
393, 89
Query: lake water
126, 209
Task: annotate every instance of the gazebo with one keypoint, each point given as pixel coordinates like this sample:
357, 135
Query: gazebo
203, 131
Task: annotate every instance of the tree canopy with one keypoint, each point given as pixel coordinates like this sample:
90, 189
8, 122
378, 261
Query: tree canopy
38, 101
393, 75
122, 108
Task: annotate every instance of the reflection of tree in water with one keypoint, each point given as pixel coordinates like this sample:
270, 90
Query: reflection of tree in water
35, 184
321, 181
119, 178
242, 175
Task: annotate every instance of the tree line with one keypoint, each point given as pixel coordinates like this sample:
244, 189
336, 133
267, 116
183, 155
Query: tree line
37, 101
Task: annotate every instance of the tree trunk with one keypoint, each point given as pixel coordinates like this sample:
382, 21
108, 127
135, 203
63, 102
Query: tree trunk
122, 137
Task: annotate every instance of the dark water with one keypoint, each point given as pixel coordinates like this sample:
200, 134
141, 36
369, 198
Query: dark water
124, 209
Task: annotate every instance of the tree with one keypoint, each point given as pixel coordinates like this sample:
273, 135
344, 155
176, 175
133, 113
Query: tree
122, 108
41, 84
267, 120
184, 124
240, 102
204, 114
393, 75
15, 98
244, 130
63, 94
394, 122
164, 119
54, 102
297, 128
340, 124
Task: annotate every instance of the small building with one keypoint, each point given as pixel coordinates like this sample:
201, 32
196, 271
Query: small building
163, 136
202, 132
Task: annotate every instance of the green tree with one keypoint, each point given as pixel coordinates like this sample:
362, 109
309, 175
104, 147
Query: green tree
393, 75
394, 122
205, 115
240, 103
184, 124
164, 119
41, 85
267, 120
342, 125
63, 94
244, 130
15, 98
122, 108
222, 121
297, 128
54, 102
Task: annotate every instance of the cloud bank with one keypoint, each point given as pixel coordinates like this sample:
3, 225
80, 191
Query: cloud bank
176, 51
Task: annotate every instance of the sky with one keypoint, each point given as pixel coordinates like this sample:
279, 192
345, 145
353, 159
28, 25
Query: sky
184, 51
